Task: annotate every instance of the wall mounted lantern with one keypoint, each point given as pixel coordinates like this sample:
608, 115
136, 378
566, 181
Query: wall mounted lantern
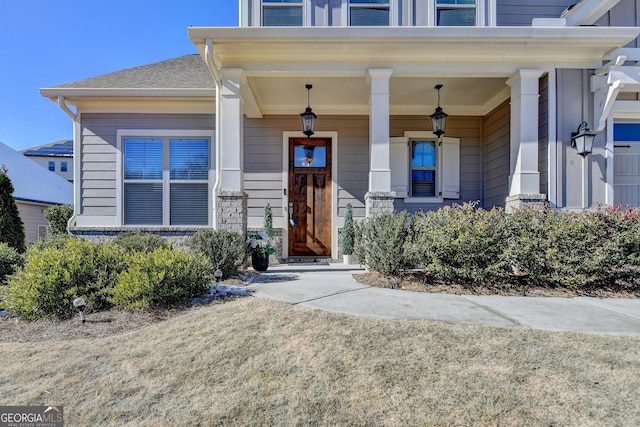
582, 140
439, 117
308, 117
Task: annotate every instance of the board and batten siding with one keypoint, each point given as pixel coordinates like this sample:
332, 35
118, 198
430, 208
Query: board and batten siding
469, 130
624, 14
99, 153
263, 161
497, 135
522, 12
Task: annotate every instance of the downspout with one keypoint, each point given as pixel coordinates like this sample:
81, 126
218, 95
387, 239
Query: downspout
217, 77
62, 103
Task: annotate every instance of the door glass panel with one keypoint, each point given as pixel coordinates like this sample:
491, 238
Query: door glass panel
309, 156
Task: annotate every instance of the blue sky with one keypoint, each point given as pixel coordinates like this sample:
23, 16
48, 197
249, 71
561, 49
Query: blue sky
49, 42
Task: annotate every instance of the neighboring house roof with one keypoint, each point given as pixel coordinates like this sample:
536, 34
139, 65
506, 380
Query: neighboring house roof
183, 72
62, 148
32, 182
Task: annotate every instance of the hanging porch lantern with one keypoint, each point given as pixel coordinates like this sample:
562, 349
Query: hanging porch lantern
439, 117
308, 117
582, 140
308, 154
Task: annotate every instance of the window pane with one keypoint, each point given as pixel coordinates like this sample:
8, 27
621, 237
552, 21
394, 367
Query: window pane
287, 16
423, 154
423, 183
369, 1
309, 156
52, 166
456, 17
282, 1
189, 158
464, 2
63, 166
143, 159
143, 204
369, 16
189, 204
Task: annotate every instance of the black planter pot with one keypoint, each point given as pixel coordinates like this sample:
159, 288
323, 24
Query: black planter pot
259, 263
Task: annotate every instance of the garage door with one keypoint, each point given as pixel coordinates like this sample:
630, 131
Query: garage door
626, 165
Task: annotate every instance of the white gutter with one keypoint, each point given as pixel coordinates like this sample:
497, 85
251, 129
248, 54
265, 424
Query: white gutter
217, 77
587, 12
62, 103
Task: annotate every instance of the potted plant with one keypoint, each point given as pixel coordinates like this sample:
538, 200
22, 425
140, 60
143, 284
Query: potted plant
347, 235
260, 246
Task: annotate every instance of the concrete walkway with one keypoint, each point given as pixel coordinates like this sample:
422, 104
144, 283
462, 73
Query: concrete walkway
332, 288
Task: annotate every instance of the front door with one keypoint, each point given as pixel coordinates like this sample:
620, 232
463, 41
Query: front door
309, 197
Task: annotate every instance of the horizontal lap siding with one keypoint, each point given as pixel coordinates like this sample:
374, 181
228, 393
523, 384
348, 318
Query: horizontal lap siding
497, 160
99, 153
624, 14
469, 130
521, 12
32, 216
263, 157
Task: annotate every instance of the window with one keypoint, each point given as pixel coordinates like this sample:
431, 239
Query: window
166, 181
52, 166
282, 13
369, 13
456, 13
423, 168
63, 166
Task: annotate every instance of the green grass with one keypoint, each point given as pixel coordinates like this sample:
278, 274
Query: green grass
258, 362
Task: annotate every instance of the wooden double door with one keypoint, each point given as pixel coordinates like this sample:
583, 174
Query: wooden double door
309, 197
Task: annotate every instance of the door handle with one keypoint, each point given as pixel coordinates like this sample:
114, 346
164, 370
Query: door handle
291, 221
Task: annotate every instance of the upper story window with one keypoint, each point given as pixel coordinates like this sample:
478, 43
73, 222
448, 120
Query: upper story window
63, 167
52, 166
369, 13
282, 13
451, 13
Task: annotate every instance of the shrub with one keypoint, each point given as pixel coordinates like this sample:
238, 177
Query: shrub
458, 243
348, 231
11, 226
54, 275
226, 250
379, 242
10, 261
58, 218
161, 277
135, 241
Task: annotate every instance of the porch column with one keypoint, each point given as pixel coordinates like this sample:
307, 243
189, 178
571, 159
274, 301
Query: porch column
524, 180
231, 201
379, 199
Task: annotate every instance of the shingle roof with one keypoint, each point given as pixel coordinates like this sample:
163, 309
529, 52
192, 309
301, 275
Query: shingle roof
183, 72
62, 148
32, 182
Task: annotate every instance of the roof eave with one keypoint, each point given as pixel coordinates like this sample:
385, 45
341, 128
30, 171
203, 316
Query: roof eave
67, 92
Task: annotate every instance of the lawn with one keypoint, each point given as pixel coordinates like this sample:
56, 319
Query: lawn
258, 362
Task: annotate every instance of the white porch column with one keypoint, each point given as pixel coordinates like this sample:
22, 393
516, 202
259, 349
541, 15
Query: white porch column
524, 180
379, 198
231, 200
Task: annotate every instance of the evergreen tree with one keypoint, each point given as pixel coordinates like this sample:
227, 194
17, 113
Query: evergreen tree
348, 231
268, 221
11, 226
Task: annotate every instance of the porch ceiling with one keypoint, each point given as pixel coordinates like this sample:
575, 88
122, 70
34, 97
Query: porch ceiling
473, 63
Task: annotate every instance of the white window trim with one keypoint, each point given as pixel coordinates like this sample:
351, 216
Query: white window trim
481, 20
121, 134
425, 136
305, 11
346, 11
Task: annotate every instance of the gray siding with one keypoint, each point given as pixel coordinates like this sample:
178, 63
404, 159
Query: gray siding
32, 216
469, 130
263, 157
99, 154
521, 12
497, 152
543, 135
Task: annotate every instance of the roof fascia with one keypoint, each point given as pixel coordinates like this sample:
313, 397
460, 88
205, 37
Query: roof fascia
54, 92
587, 12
